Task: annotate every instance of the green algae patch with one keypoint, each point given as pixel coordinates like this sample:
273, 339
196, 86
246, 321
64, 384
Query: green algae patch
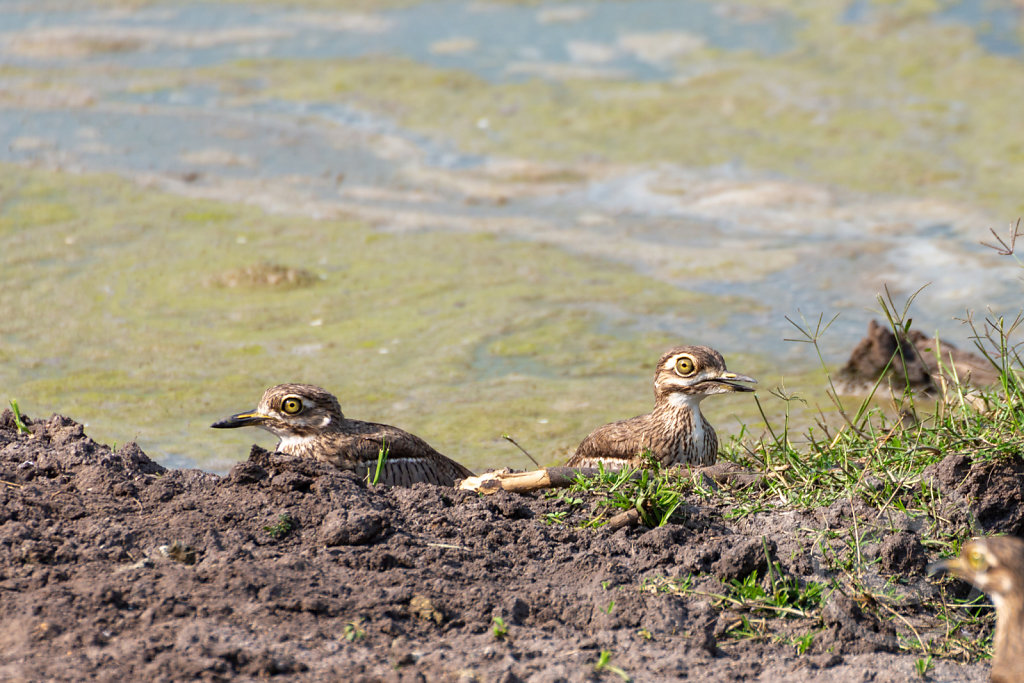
117, 313
898, 105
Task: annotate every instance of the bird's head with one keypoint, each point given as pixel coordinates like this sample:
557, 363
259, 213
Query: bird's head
695, 371
994, 564
290, 410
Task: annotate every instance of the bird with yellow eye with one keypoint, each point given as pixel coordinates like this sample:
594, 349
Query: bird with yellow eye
675, 432
996, 566
308, 422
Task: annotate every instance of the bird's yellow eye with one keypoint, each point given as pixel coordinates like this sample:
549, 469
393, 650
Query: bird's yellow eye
291, 405
685, 366
976, 560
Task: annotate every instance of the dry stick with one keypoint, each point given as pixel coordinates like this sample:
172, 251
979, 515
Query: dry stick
525, 452
560, 477
856, 535
12, 484
447, 546
545, 478
899, 616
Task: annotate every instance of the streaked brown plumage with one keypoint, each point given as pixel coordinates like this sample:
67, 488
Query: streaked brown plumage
996, 566
309, 422
675, 432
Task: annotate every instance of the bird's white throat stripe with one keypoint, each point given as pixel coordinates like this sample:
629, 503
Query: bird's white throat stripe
678, 399
288, 443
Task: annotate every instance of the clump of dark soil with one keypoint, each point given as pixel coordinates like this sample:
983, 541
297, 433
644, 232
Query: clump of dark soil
114, 568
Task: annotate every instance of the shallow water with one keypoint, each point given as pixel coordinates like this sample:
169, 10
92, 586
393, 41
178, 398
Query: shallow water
507, 283
495, 41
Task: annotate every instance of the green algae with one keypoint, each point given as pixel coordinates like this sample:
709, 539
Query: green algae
899, 105
111, 317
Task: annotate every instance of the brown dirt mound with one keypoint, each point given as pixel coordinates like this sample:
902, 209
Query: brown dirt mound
114, 568
909, 361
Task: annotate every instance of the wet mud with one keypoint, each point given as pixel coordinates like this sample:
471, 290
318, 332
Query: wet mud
115, 568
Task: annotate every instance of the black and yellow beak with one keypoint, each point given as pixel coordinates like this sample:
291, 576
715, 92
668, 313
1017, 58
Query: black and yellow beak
252, 418
728, 378
954, 565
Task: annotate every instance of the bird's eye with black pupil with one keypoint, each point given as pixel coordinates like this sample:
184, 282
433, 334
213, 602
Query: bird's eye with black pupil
976, 559
685, 366
291, 405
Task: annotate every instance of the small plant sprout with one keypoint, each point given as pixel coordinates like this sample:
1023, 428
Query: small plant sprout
923, 665
18, 421
353, 630
284, 526
680, 585
382, 458
804, 642
498, 629
555, 517
604, 663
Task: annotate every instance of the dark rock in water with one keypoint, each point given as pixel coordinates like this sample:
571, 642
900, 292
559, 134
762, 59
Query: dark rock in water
913, 363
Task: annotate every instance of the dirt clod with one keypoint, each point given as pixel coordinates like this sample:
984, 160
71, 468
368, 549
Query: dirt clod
851, 630
903, 554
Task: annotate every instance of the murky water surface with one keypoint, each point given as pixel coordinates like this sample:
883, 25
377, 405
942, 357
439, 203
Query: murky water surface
623, 249
496, 41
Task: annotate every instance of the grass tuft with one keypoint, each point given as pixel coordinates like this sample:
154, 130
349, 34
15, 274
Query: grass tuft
604, 663
654, 492
869, 458
18, 421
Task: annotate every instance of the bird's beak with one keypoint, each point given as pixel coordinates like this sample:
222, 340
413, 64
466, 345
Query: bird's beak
251, 418
726, 379
954, 565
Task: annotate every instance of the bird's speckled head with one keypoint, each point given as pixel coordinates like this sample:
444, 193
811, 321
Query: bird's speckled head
289, 410
695, 371
994, 564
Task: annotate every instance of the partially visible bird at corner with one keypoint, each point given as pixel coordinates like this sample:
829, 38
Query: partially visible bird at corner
996, 565
675, 432
309, 423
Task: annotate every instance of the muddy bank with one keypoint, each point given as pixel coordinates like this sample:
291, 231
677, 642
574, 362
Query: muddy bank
115, 568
